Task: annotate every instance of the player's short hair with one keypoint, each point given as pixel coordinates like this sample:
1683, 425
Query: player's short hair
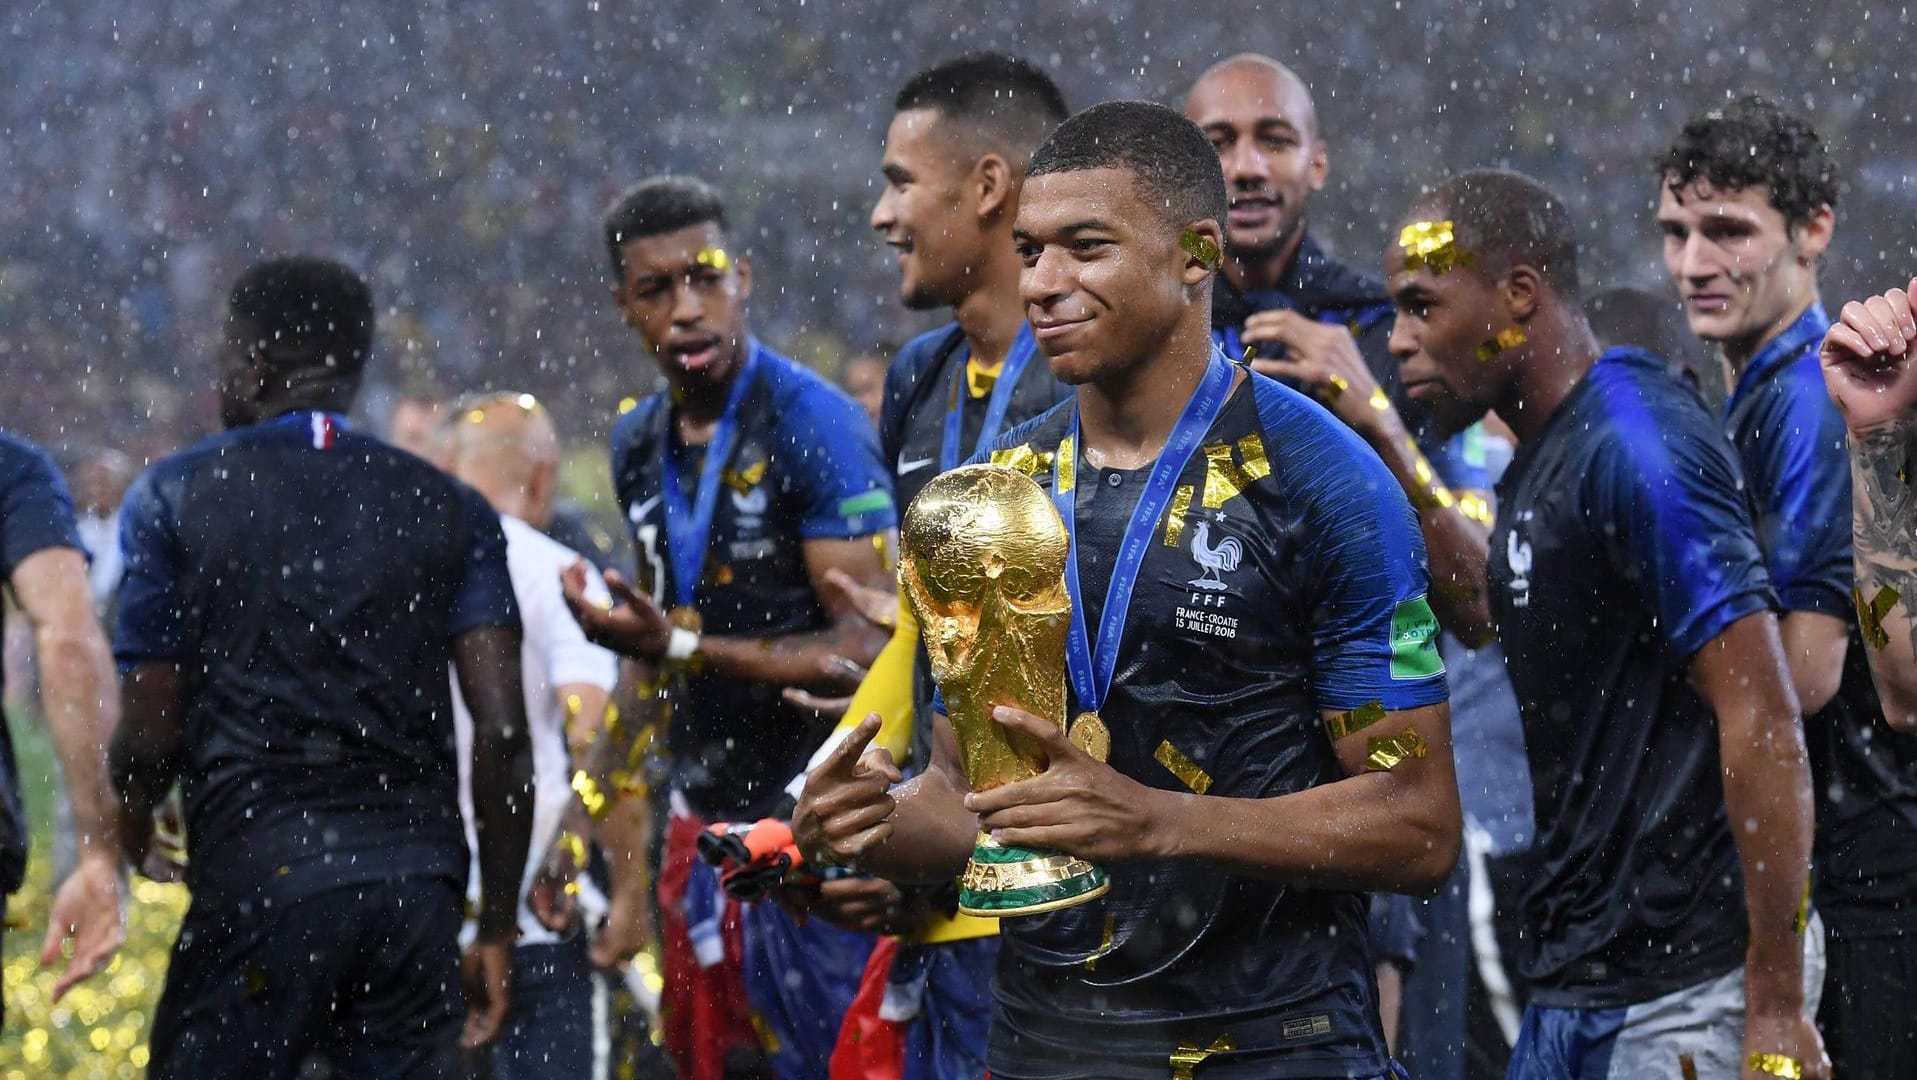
1506, 219
1175, 164
304, 312
1010, 101
1754, 143
657, 205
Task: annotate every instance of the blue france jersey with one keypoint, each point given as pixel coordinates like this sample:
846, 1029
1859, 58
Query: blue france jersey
1623, 545
805, 466
1287, 576
310, 581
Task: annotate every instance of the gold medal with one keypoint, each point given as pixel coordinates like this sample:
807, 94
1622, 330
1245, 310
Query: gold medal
686, 618
1090, 734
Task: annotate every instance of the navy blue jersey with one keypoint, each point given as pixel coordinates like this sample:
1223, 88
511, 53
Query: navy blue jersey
924, 380
36, 513
1269, 591
1792, 442
310, 582
1623, 544
805, 466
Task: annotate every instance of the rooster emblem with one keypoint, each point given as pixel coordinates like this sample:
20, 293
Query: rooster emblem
1214, 561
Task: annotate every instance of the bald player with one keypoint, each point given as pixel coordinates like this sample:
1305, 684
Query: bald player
503, 445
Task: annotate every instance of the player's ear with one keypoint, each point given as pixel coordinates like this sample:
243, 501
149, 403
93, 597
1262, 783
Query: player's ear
1320, 169
1202, 245
1522, 291
994, 185
1813, 235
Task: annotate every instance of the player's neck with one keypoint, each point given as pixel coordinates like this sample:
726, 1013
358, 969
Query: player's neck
1125, 418
698, 403
1560, 350
992, 315
1264, 272
1737, 354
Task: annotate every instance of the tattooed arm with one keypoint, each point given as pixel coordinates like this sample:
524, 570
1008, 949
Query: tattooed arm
1870, 368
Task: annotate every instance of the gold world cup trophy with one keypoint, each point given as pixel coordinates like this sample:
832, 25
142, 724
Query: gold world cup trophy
982, 563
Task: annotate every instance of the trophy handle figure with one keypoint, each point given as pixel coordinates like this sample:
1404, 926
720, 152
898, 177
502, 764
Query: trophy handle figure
982, 563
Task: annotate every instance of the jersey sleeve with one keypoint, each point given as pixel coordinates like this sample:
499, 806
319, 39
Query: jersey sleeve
844, 487
35, 510
1678, 527
1802, 485
485, 593
150, 623
1374, 636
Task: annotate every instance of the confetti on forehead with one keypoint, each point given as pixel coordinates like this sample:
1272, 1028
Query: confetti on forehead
1432, 245
716, 258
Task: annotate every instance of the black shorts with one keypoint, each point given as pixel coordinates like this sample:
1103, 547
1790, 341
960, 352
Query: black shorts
1865, 1016
355, 982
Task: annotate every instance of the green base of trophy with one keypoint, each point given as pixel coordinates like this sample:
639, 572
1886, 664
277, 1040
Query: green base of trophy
1003, 881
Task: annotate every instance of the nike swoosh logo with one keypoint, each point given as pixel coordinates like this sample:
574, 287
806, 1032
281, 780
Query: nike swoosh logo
640, 510
912, 466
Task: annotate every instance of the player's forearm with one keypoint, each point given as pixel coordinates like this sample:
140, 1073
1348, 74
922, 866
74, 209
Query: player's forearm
1456, 544
1884, 530
1767, 797
82, 709
487, 662
932, 833
795, 659
144, 755
1375, 832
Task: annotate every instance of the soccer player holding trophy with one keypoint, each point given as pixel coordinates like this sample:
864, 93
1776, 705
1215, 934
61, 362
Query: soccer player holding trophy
1226, 592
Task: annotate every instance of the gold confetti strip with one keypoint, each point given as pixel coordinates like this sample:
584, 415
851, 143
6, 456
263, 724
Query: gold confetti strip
1024, 459
1104, 943
1252, 449
1184, 768
1380, 400
1508, 338
1432, 245
1188, 1057
1687, 1066
573, 847
595, 800
1335, 387
1356, 720
713, 257
1870, 616
1476, 507
1777, 1065
1386, 752
1175, 517
1201, 247
1802, 921
1067, 462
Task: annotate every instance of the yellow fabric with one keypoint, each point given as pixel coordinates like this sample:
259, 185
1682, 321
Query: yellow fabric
979, 378
943, 928
887, 690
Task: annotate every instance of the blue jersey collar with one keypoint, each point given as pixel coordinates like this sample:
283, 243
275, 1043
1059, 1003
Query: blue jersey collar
1780, 351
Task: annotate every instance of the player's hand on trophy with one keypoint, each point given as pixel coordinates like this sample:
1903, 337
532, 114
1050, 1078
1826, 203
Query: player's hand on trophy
846, 808
631, 624
1869, 358
1321, 359
1078, 804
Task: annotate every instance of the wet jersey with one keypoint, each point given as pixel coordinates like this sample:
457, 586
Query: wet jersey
310, 581
36, 513
1623, 544
805, 466
1792, 442
1286, 576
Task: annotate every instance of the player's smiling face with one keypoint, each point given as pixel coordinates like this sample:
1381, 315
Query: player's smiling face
1443, 323
1104, 280
923, 212
1265, 133
1741, 271
685, 292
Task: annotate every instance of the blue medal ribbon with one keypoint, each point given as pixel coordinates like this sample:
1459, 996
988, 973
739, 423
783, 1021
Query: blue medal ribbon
689, 527
1090, 663
996, 406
